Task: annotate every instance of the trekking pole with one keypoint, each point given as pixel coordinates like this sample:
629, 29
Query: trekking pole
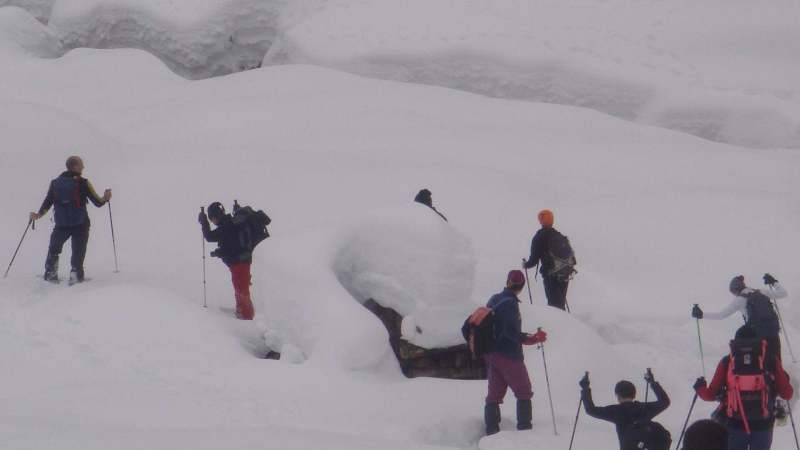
794, 429
113, 238
575, 425
549, 392
700, 342
647, 387
785, 334
685, 424
30, 225
527, 281
205, 301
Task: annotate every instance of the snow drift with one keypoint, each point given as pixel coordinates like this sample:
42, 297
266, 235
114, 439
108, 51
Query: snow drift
196, 39
412, 261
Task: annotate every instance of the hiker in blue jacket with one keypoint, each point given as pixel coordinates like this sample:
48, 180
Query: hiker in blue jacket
68, 195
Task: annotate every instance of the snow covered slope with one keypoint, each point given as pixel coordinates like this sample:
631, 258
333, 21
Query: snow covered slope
659, 219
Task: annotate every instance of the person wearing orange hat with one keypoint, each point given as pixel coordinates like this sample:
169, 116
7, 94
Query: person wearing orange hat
552, 252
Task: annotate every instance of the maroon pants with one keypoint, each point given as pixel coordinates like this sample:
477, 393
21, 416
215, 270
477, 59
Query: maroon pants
240, 275
504, 373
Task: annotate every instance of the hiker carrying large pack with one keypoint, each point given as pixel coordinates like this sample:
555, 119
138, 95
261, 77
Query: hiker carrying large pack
633, 420
495, 333
68, 195
553, 252
747, 383
236, 237
756, 307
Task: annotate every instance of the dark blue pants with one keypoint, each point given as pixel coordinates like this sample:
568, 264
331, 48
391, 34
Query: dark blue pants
556, 292
80, 238
756, 440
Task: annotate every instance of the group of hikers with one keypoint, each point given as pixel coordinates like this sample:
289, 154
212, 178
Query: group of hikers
747, 383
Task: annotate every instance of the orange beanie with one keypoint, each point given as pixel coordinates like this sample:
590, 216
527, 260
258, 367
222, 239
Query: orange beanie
546, 218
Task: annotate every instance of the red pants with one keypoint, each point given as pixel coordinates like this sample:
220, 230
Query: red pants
240, 275
504, 373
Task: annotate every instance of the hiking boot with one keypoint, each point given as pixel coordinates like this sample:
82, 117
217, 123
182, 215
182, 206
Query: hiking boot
491, 414
524, 415
51, 277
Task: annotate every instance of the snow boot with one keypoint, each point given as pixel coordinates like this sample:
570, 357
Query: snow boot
491, 414
51, 270
781, 417
524, 415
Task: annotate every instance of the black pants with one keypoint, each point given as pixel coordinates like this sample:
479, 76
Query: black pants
80, 238
556, 292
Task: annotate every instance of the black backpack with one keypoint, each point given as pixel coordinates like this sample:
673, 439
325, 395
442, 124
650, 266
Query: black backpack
646, 435
251, 226
67, 202
761, 314
562, 257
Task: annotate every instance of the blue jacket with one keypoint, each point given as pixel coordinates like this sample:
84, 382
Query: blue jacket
508, 334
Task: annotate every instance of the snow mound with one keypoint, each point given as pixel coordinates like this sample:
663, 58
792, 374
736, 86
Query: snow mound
21, 33
682, 67
38, 8
196, 39
409, 260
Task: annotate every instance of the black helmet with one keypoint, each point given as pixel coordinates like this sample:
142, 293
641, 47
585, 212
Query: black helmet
216, 210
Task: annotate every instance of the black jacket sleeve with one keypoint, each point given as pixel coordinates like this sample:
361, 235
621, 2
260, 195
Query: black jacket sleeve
537, 250
598, 412
48, 200
209, 234
662, 402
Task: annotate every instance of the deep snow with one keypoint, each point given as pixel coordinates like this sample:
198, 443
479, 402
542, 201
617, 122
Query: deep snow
659, 219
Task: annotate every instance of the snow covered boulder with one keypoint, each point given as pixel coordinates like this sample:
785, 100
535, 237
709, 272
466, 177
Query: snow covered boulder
415, 272
20, 33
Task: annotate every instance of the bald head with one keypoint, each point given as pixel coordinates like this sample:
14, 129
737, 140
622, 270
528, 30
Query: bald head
75, 164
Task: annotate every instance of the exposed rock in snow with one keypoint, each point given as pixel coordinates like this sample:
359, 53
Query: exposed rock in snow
196, 39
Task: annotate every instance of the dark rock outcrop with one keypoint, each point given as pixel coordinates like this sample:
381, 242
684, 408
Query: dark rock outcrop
449, 362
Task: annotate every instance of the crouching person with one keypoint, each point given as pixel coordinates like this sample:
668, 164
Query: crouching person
505, 362
232, 253
629, 415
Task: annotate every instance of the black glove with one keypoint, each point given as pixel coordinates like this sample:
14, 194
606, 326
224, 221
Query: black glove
216, 253
769, 279
584, 383
202, 218
648, 376
697, 313
700, 383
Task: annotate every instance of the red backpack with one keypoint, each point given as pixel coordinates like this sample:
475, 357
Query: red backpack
750, 384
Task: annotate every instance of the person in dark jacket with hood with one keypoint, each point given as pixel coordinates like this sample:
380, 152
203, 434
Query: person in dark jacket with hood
505, 362
424, 197
232, 254
68, 195
555, 284
628, 411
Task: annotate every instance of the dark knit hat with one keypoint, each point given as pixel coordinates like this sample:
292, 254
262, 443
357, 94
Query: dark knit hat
216, 210
737, 285
424, 197
516, 279
625, 389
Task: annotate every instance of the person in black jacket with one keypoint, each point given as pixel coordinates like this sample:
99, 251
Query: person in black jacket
232, 254
69, 194
425, 197
555, 285
628, 411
